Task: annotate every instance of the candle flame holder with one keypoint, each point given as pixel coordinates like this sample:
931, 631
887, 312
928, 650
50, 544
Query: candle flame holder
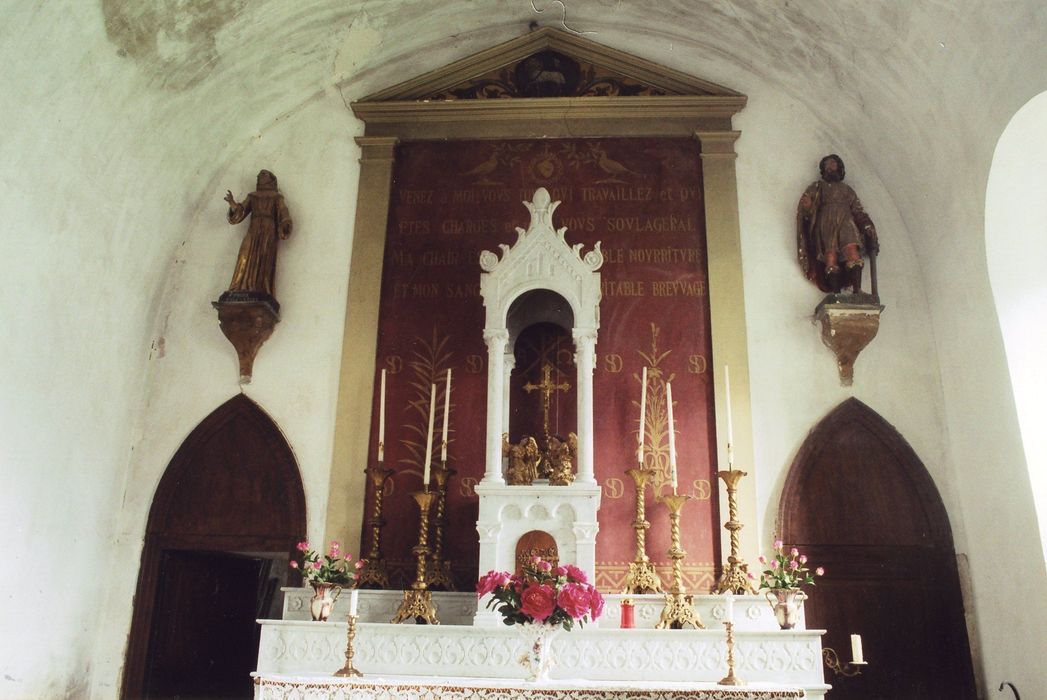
735, 576
439, 570
418, 600
374, 575
679, 609
730, 678
349, 671
642, 578
832, 662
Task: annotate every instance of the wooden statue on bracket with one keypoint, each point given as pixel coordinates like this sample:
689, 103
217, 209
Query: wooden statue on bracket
248, 311
834, 235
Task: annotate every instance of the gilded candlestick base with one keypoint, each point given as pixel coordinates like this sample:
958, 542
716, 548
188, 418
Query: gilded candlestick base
349, 671
374, 575
735, 579
730, 678
417, 605
642, 578
678, 612
439, 573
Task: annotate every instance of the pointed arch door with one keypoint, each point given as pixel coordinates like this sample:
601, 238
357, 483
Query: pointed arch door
230, 503
859, 502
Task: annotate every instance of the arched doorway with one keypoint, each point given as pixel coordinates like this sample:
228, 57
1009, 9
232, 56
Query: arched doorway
226, 516
859, 502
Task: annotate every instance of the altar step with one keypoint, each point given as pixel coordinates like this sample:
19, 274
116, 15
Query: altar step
751, 612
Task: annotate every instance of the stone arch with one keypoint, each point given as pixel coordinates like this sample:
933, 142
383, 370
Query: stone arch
232, 493
1015, 210
858, 501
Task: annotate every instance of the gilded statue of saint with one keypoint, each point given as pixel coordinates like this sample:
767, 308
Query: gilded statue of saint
833, 231
524, 458
255, 270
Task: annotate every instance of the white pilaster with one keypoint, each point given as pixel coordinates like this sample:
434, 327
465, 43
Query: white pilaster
496, 339
585, 361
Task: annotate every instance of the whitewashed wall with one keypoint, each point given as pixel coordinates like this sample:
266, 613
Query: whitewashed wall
124, 127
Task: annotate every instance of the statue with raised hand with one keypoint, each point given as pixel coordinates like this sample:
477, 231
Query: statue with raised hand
255, 270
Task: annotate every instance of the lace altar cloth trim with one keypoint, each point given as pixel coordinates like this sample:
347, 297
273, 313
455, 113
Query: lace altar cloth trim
275, 688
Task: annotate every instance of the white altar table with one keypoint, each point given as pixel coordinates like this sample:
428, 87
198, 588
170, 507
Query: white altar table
278, 687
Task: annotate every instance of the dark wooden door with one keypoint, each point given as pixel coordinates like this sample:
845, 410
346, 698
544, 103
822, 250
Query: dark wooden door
233, 486
205, 640
859, 502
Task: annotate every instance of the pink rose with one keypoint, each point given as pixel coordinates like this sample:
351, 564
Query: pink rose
595, 603
303, 545
545, 566
819, 571
538, 601
490, 581
575, 599
294, 564
561, 571
575, 574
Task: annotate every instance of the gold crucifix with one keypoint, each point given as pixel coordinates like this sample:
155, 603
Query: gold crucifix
547, 387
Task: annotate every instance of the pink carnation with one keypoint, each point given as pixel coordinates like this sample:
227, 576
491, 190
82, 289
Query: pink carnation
794, 565
575, 574
595, 603
774, 565
794, 552
294, 564
819, 571
335, 546
575, 599
490, 581
778, 544
763, 559
803, 558
538, 601
317, 564
303, 545
360, 563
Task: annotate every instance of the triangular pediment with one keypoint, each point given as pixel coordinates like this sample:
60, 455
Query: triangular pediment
546, 63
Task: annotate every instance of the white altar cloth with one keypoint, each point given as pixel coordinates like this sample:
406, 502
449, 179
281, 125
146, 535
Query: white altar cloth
279, 687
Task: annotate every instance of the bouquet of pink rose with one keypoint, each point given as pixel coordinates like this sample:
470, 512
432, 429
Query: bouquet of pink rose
787, 571
332, 568
557, 597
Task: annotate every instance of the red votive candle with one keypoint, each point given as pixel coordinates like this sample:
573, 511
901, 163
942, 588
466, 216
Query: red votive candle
628, 618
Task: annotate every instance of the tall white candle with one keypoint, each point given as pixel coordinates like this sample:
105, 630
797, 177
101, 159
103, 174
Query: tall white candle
728, 603
447, 411
856, 649
672, 434
381, 422
353, 601
730, 420
643, 415
429, 435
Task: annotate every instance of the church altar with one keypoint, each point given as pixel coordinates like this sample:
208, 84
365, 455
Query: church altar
296, 653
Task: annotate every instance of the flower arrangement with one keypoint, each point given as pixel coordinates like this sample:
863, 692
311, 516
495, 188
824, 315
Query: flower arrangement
787, 570
554, 597
331, 568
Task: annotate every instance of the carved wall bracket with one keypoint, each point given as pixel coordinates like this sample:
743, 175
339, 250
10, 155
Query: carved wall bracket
247, 325
849, 323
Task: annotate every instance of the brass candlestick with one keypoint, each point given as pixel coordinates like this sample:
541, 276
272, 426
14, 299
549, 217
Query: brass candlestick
642, 577
349, 670
439, 570
730, 679
678, 610
735, 576
374, 574
418, 600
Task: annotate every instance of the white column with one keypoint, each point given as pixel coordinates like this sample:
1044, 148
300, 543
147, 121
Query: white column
496, 339
509, 362
585, 361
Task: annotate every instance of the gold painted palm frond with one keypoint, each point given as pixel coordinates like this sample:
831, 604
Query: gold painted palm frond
430, 363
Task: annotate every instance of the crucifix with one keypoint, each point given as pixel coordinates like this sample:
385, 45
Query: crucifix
547, 387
